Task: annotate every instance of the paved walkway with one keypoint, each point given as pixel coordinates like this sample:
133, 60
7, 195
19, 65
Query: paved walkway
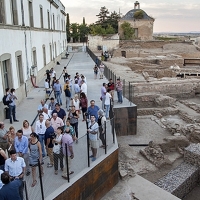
27, 109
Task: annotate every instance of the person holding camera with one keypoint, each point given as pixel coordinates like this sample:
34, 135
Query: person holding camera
93, 130
57, 152
68, 153
12, 105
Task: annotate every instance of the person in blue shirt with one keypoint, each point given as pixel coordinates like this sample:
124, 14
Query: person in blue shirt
10, 190
93, 110
21, 147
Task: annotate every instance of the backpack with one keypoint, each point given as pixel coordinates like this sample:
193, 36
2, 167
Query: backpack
99, 120
67, 93
6, 103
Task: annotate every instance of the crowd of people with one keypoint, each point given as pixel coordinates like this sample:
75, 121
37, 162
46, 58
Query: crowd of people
56, 129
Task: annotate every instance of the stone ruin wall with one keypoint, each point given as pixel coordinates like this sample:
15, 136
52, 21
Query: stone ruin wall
177, 90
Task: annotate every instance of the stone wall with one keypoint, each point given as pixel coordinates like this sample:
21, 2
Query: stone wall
109, 42
145, 28
177, 89
181, 180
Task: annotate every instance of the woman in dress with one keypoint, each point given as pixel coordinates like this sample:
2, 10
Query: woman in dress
73, 116
27, 129
83, 104
11, 138
35, 154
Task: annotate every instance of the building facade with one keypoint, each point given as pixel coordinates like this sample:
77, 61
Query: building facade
33, 36
139, 21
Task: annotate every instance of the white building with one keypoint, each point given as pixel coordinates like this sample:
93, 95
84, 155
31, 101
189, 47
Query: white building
33, 37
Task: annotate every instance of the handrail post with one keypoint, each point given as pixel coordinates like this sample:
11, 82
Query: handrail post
40, 175
67, 164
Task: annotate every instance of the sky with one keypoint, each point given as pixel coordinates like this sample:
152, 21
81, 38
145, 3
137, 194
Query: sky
170, 15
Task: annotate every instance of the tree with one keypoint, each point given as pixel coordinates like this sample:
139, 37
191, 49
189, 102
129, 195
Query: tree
68, 28
113, 20
110, 30
83, 20
74, 27
103, 16
128, 31
83, 32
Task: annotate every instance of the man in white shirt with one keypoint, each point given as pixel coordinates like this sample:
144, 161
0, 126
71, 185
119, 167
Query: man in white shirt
15, 167
84, 87
46, 113
40, 129
53, 73
47, 91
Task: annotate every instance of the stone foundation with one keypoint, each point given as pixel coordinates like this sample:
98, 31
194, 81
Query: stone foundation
181, 180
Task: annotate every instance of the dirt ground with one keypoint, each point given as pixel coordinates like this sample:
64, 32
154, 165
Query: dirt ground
147, 129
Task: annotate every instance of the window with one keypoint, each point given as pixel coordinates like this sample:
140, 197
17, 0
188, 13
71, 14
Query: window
14, 15
31, 14
50, 49
41, 17
5, 62
53, 22
19, 66
48, 18
55, 50
44, 55
34, 57
2, 12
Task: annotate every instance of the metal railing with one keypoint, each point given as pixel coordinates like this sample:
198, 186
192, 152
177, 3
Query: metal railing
128, 87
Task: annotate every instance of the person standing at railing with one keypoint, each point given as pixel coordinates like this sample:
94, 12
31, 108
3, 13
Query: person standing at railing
119, 87
57, 152
103, 95
111, 86
93, 130
93, 109
101, 120
101, 68
108, 98
67, 141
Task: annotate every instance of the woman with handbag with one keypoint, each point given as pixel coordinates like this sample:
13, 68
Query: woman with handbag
57, 152
73, 116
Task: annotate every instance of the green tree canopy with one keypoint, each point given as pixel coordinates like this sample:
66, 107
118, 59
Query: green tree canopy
128, 31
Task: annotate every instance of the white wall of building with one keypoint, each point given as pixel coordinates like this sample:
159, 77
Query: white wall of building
19, 38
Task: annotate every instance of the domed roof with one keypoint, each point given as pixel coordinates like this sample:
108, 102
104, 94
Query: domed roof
130, 15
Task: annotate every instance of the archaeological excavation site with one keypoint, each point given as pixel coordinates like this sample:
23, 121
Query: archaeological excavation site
162, 79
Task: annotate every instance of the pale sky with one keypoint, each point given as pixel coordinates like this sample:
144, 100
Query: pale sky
170, 15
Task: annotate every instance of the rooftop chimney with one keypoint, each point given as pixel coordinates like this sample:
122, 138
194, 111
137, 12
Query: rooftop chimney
136, 5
